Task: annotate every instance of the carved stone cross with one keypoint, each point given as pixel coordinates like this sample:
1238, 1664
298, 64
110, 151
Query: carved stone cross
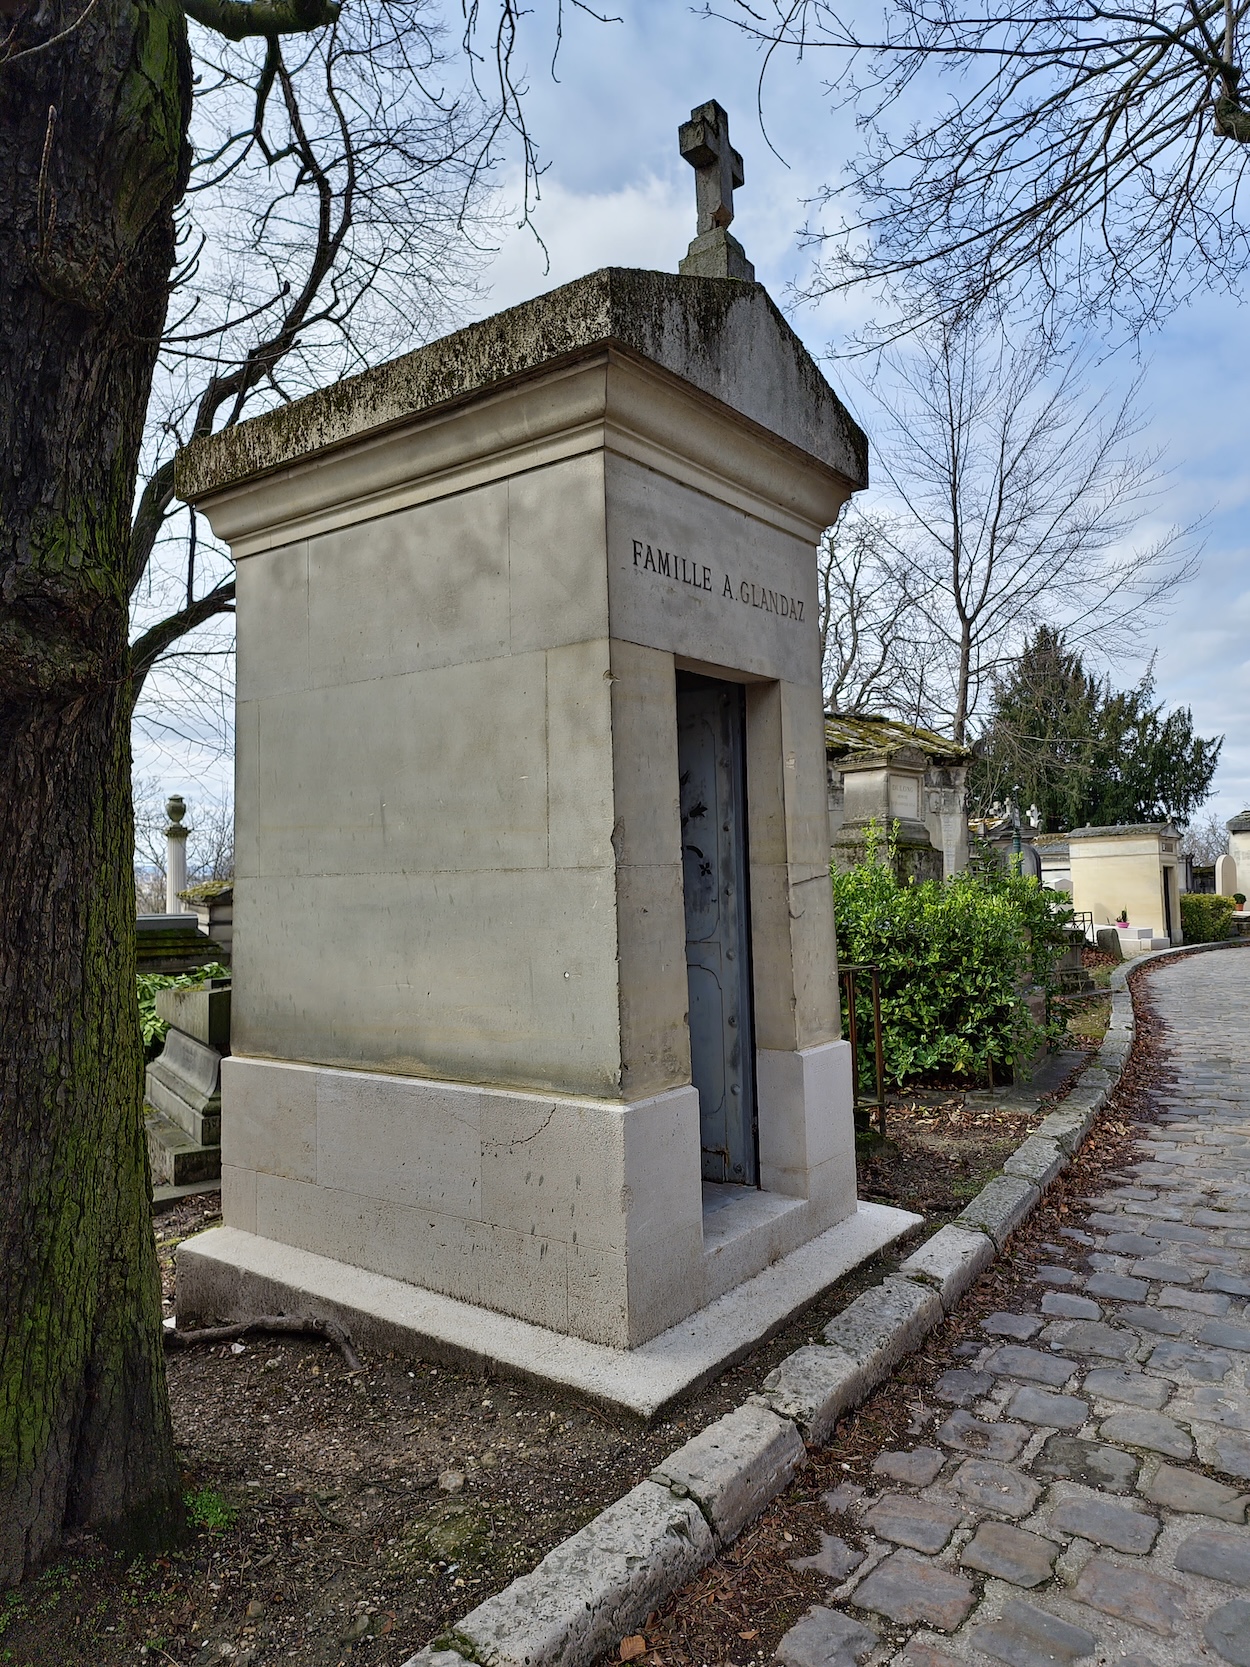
704, 142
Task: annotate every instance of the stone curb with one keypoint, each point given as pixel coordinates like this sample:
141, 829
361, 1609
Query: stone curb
601, 1583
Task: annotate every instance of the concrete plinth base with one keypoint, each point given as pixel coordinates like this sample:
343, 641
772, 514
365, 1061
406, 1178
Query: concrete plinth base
228, 1274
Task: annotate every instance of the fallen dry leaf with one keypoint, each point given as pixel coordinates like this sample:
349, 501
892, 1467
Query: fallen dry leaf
632, 1648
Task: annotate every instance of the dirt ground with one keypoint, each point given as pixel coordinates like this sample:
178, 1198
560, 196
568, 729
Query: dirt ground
340, 1517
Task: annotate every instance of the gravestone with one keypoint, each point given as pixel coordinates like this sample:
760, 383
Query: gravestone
535, 996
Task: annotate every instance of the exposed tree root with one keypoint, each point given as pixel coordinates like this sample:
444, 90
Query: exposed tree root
299, 1324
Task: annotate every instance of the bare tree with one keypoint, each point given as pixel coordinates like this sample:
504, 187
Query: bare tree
873, 624
1019, 500
1094, 149
1206, 837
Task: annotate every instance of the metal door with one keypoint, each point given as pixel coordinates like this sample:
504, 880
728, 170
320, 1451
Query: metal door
711, 734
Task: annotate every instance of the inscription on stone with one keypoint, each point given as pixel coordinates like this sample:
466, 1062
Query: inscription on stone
732, 587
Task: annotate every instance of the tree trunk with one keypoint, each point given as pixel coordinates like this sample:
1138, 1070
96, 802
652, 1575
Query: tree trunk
92, 163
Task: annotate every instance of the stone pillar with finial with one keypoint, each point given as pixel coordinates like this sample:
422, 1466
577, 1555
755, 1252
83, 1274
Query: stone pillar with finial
175, 856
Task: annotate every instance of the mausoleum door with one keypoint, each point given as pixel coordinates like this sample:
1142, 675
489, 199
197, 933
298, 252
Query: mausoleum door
711, 749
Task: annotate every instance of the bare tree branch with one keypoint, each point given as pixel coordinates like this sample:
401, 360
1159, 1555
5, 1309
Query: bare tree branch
1019, 498
1091, 153
240, 19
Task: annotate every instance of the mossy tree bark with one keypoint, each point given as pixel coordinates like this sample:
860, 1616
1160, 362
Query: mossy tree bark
93, 160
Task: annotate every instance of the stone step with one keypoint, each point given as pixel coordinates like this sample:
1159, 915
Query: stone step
176, 1159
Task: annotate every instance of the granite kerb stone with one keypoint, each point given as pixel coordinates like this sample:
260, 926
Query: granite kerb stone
734, 1467
590, 1590
1000, 1207
1037, 1160
951, 1261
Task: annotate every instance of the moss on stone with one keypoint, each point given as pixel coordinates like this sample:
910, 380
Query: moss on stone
725, 337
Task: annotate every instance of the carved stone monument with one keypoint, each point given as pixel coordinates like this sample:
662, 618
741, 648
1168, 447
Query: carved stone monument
535, 1001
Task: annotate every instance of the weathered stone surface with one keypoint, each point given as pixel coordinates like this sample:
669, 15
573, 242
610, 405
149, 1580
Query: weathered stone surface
1189, 1490
1155, 1320
814, 1386
887, 1322
1184, 1360
1025, 1636
596, 1586
1227, 1631
734, 1467
1217, 1404
1064, 1305
921, 1653
1150, 1430
1070, 1458
1000, 1206
1117, 1287
825, 1638
1067, 1127
958, 1387
670, 319
1013, 1362
1113, 1383
951, 1261
1218, 1556
914, 1470
1133, 1244
994, 1487
1037, 1160
1010, 1554
1091, 1337
1232, 1455
1141, 1596
1234, 1284
923, 1524
910, 1590
967, 1434
1019, 1326
1152, 1268
1040, 1406
1222, 1334
1106, 1524
1049, 1274
835, 1559
1193, 1302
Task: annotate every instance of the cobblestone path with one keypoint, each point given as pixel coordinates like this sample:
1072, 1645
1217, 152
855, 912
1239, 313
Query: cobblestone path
1082, 1494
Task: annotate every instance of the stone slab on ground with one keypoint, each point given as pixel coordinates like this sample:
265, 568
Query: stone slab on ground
227, 1274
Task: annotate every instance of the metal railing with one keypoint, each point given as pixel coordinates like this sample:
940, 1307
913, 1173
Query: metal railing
864, 1103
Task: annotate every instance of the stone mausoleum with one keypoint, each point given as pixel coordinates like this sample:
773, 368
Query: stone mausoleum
535, 1003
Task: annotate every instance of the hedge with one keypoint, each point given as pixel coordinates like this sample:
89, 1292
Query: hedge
955, 957
1206, 919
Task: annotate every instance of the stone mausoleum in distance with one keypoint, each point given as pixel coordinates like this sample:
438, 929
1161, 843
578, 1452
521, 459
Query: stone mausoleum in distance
535, 1047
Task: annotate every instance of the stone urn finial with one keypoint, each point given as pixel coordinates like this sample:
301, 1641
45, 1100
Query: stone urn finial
176, 809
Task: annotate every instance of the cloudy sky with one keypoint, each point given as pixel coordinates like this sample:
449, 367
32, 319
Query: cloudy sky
616, 192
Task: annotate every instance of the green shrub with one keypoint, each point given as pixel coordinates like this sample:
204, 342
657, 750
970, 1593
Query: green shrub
150, 982
955, 957
1205, 919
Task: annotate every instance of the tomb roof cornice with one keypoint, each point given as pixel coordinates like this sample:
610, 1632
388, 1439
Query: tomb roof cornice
724, 337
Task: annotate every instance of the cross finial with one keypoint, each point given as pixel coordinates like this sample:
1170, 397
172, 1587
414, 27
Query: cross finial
704, 142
